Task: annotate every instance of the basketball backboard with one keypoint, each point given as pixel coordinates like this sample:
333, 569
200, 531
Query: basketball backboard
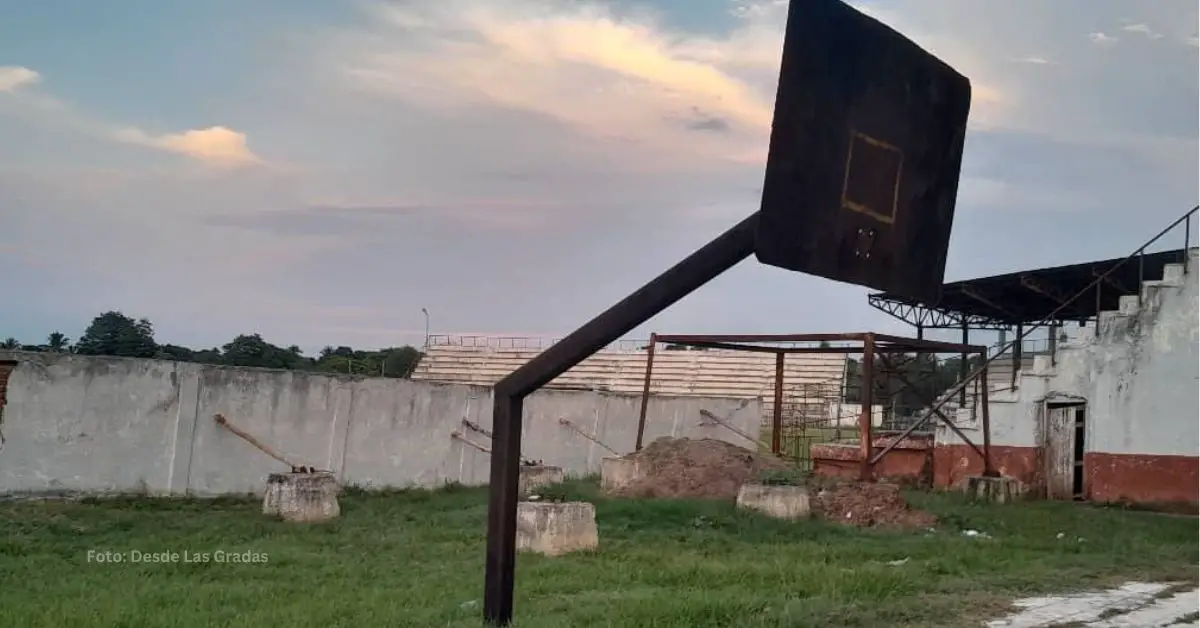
866, 148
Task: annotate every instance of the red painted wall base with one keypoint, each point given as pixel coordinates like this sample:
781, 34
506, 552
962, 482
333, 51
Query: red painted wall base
1142, 479
953, 464
908, 463
1108, 478
1163, 481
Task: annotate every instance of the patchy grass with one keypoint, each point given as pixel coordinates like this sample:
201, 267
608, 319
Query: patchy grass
415, 558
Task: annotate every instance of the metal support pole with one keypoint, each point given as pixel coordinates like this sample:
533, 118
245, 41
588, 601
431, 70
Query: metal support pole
1053, 344
1187, 242
1017, 354
868, 397
962, 366
985, 413
680, 280
646, 392
920, 331
777, 410
1142, 274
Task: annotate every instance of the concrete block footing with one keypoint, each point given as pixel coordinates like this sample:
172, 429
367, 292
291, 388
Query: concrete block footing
781, 502
533, 477
302, 497
618, 473
556, 528
998, 490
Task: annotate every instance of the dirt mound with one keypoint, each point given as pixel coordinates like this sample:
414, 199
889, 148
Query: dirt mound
869, 505
702, 469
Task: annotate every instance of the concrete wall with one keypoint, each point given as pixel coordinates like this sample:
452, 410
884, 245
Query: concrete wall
1138, 376
75, 423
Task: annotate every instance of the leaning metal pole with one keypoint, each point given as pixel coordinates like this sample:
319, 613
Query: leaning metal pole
645, 392
680, 280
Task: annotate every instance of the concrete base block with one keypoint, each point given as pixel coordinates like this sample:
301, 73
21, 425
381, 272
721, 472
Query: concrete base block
781, 502
556, 528
618, 473
997, 490
302, 497
532, 478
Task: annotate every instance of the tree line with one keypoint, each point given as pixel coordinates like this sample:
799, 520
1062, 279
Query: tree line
115, 334
907, 382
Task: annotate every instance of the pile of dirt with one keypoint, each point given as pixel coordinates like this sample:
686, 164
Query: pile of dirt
868, 505
700, 469
675, 468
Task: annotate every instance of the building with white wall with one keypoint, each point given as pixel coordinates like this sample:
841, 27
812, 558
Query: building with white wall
1112, 415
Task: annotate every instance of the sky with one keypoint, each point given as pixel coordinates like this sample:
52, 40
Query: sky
321, 171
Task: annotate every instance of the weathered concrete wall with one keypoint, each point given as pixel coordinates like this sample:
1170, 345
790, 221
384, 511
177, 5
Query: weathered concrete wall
1138, 377
75, 423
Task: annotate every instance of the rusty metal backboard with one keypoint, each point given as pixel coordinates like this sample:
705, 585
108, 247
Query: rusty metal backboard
866, 148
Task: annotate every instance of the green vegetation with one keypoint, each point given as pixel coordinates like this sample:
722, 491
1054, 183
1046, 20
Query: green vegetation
115, 334
415, 558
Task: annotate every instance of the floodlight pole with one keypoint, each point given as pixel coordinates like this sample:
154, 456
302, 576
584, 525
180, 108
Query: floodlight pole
680, 280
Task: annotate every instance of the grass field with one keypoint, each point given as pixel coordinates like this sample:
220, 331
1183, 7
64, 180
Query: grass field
415, 558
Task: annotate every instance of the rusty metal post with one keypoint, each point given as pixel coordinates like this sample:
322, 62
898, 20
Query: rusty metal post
777, 410
1053, 343
646, 392
1018, 353
1187, 241
985, 413
868, 397
962, 366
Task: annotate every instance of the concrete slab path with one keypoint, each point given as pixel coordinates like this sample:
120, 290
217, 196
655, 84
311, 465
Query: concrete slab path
1132, 605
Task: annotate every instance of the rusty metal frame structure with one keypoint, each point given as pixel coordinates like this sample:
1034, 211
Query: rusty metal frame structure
872, 346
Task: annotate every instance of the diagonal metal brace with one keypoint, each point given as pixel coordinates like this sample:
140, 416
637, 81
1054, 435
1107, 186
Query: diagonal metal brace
936, 411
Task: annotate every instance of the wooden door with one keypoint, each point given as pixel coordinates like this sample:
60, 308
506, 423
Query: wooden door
1058, 450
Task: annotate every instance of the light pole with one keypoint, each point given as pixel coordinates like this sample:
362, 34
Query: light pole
425, 348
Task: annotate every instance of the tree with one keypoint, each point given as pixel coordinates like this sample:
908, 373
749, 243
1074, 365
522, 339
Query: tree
209, 356
176, 352
58, 342
10, 344
400, 361
113, 333
252, 350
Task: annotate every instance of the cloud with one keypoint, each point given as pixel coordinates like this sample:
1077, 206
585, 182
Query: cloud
1101, 39
606, 76
215, 145
452, 154
13, 77
1142, 29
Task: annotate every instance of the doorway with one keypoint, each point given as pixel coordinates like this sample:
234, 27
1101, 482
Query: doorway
1063, 445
